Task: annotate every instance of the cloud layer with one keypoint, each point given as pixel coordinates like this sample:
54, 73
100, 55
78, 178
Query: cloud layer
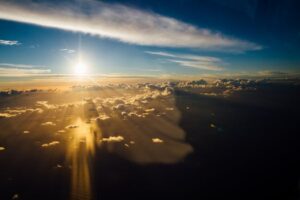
10, 69
120, 22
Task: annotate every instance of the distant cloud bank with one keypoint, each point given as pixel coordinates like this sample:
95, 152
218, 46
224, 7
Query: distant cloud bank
122, 23
10, 69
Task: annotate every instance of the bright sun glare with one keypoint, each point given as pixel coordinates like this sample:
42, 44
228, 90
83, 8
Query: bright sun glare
80, 68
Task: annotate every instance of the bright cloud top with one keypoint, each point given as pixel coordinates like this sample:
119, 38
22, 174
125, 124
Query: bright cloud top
9, 42
122, 23
194, 61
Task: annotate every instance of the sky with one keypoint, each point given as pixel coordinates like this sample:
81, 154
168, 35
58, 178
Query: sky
143, 37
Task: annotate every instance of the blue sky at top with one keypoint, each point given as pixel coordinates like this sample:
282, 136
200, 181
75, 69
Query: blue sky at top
244, 36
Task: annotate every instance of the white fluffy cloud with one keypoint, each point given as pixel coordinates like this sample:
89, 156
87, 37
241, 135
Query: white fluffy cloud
120, 22
9, 42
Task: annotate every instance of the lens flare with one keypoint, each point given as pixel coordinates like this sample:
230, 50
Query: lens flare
80, 68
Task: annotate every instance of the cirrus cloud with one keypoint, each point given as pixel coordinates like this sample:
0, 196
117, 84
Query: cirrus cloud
122, 23
9, 42
70, 51
194, 61
16, 70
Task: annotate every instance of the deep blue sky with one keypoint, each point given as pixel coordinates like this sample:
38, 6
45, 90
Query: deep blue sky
272, 24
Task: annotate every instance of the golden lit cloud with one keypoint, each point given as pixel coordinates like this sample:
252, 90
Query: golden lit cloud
48, 124
71, 126
157, 140
50, 144
113, 139
13, 70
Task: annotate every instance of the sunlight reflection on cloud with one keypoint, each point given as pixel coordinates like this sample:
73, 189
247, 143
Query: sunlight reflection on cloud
53, 143
71, 126
48, 124
113, 139
157, 140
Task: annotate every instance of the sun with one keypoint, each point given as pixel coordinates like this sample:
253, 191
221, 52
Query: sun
80, 68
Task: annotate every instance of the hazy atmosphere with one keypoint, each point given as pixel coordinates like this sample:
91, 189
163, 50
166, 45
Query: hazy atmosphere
194, 99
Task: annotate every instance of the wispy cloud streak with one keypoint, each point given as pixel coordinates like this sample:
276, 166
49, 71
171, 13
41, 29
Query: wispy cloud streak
194, 61
11, 70
11, 65
70, 51
9, 42
120, 22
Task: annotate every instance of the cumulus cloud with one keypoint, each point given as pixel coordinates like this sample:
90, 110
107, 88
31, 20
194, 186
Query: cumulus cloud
9, 112
150, 110
48, 124
72, 126
194, 61
9, 42
113, 139
16, 92
221, 87
53, 143
157, 140
46, 104
120, 22
103, 117
7, 115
